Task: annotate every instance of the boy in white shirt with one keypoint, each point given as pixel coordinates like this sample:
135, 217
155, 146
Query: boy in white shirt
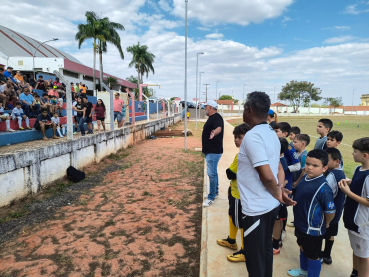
5, 117
18, 113
55, 119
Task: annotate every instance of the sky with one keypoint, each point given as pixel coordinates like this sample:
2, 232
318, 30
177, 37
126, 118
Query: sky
248, 45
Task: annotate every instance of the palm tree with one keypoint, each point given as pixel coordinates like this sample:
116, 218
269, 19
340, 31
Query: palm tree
109, 33
142, 60
110, 81
88, 31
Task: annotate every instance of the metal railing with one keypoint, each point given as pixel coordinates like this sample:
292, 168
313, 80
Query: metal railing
111, 105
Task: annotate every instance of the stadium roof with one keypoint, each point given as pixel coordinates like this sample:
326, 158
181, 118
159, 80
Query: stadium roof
14, 44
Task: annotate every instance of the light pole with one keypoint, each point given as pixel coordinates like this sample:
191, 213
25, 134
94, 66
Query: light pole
200, 95
353, 93
243, 95
185, 85
197, 68
274, 94
206, 93
216, 90
33, 57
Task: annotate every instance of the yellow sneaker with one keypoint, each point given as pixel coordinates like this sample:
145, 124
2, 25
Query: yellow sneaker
227, 243
237, 257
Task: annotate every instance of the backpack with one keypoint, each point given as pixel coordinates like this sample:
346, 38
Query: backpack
75, 175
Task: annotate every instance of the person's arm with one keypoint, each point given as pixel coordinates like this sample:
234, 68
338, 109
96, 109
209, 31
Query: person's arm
328, 218
92, 111
215, 132
299, 179
84, 112
294, 167
344, 185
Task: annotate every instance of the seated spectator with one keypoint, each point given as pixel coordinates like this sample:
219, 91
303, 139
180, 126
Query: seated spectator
38, 102
40, 83
45, 102
9, 91
28, 104
3, 78
18, 114
76, 88
19, 77
55, 92
8, 74
57, 83
72, 87
3, 97
55, 119
50, 82
32, 82
43, 122
55, 106
5, 117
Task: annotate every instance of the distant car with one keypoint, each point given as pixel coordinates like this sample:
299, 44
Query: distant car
189, 104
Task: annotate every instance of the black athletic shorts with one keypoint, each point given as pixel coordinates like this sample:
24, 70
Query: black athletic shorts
282, 214
38, 128
311, 245
88, 119
235, 210
100, 118
332, 231
75, 119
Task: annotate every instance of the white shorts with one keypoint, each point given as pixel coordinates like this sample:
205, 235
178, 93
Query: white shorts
359, 245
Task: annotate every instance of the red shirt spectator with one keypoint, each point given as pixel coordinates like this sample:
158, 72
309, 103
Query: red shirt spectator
57, 84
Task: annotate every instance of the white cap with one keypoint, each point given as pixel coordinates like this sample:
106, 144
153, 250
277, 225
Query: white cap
212, 103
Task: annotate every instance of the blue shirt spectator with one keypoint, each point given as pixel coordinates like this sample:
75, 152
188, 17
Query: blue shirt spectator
26, 97
8, 74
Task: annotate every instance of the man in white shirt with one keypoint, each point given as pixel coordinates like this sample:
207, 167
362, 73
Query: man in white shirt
259, 186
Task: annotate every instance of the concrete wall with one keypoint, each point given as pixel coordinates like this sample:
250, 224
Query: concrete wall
25, 173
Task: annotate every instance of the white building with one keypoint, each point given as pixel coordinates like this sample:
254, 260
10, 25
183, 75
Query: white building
19, 52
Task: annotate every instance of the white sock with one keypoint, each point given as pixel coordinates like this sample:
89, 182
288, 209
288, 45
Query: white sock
7, 122
58, 129
20, 121
63, 130
27, 121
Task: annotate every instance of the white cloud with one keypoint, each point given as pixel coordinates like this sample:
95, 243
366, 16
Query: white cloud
286, 18
214, 12
164, 5
340, 39
352, 9
214, 36
203, 28
337, 28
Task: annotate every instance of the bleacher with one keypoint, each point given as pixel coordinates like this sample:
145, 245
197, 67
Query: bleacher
30, 135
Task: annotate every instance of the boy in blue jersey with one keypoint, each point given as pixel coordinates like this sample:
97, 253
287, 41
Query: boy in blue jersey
356, 213
282, 214
334, 175
334, 138
283, 130
313, 212
323, 128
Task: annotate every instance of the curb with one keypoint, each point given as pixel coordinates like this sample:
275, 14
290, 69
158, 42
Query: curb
204, 231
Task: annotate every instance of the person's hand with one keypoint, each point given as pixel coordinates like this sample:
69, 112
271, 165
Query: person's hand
212, 134
286, 200
344, 185
327, 225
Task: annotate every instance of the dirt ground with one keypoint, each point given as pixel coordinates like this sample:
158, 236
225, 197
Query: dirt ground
138, 213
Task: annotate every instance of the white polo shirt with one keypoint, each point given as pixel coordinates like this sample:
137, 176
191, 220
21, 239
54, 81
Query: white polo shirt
260, 146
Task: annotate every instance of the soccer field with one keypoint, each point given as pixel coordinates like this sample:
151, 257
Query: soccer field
352, 128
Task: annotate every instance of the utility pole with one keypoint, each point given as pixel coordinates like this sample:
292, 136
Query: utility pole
206, 95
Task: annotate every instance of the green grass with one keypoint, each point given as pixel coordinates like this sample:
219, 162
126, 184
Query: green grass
356, 127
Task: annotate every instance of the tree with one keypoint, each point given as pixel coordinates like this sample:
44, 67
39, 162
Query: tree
111, 81
225, 97
88, 31
298, 92
142, 60
335, 102
171, 99
108, 33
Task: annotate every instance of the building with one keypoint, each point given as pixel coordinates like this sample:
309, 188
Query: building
27, 54
364, 100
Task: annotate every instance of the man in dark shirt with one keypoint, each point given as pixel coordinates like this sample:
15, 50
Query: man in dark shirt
43, 122
3, 79
212, 147
89, 112
40, 83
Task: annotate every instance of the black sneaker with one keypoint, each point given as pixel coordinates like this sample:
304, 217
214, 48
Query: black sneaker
327, 260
